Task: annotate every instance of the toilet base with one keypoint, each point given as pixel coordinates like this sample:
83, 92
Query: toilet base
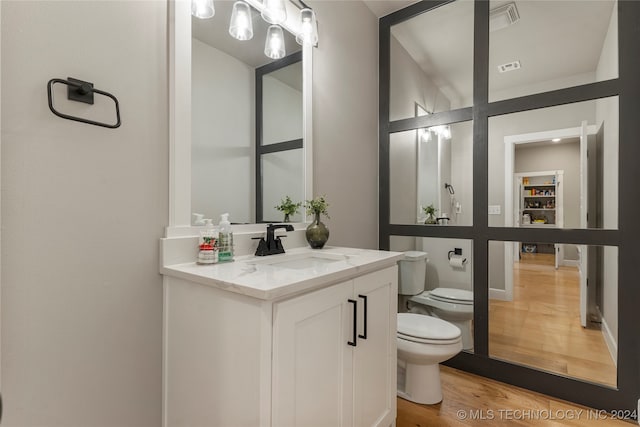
421, 384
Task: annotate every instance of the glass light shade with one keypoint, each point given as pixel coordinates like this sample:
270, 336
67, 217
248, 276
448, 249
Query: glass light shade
202, 9
308, 28
274, 11
241, 27
274, 45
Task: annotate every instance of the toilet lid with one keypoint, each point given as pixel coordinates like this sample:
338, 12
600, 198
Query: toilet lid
449, 294
426, 327
414, 255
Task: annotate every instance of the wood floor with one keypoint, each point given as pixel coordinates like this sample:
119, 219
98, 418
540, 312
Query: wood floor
470, 400
541, 326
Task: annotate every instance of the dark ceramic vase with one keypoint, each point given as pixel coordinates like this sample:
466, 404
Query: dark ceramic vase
317, 233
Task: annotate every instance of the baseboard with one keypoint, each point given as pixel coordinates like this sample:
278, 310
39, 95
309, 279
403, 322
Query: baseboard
499, 294
570, 263
612, 345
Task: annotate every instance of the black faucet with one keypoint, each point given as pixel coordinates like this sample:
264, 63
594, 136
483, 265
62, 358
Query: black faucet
273, 244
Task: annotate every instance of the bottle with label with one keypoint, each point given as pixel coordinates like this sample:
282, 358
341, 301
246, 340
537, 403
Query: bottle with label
208, 253
225, 239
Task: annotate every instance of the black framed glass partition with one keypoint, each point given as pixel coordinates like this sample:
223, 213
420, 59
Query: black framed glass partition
543, 169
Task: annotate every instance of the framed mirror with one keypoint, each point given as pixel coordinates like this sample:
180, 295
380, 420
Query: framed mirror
213, 116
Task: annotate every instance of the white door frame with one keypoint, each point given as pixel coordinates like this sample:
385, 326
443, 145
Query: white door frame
510, 142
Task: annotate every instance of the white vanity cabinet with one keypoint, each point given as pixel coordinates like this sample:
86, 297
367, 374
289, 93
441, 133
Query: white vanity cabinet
334, 364
280, 358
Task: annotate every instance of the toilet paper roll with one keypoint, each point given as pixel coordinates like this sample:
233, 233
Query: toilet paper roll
457, 261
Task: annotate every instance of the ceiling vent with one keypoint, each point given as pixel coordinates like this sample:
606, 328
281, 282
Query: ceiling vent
509, 66
503, 16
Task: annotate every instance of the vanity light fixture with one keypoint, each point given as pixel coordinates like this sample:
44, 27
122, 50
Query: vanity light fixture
274, 11
202, 9
425, 134
442, 131
274, 45
308, 27
241, 27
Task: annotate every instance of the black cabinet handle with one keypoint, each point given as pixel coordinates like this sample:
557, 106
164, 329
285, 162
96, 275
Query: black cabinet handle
364, 336
355, 322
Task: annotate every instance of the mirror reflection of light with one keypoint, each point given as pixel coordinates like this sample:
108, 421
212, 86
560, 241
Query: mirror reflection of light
241, 27
274, 11
202, 9
443, 131
308, 28
274, 45
425, 134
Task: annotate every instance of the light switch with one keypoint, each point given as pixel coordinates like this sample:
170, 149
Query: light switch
494, 209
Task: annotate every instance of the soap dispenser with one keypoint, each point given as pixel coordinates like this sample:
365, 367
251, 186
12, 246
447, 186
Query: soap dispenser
208, 253
225, 239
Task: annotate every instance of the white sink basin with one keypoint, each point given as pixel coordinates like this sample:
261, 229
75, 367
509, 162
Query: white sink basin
299, 261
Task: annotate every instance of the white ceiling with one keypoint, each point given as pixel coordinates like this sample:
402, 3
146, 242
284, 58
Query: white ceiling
381, 8
552, 40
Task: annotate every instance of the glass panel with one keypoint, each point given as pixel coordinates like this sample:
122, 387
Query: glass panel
555, 167
538, 46
432, 168
543, 315
432, 61
282, 175
282, 104
449, 268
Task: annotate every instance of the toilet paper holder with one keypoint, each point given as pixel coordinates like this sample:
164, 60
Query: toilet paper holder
457, 252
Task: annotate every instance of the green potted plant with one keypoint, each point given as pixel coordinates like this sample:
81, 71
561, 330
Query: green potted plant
430, 212
289, 208
317, 233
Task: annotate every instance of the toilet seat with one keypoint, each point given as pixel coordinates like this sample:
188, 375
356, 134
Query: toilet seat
426, 329
451, 295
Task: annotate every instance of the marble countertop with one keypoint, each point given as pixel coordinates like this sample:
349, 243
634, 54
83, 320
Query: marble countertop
263, 278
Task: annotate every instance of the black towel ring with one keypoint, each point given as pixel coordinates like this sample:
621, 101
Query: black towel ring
81, 91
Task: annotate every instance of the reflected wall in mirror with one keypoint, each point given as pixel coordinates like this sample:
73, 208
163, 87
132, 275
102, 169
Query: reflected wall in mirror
579, 45
448, 281
223, 110
549, 319
432, 61
281, 177
282, 103
432, 167
555, 167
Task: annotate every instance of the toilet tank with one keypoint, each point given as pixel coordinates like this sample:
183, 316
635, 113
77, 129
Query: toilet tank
412, 271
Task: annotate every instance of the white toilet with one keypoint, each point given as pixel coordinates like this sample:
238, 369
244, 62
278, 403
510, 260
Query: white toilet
453, 305
423, 342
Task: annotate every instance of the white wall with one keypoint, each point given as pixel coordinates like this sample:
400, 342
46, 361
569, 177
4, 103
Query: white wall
607, 112
462, 171
281, 177
222, 135
440, 274
83, 209
410, 85
282, 111
345, 120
